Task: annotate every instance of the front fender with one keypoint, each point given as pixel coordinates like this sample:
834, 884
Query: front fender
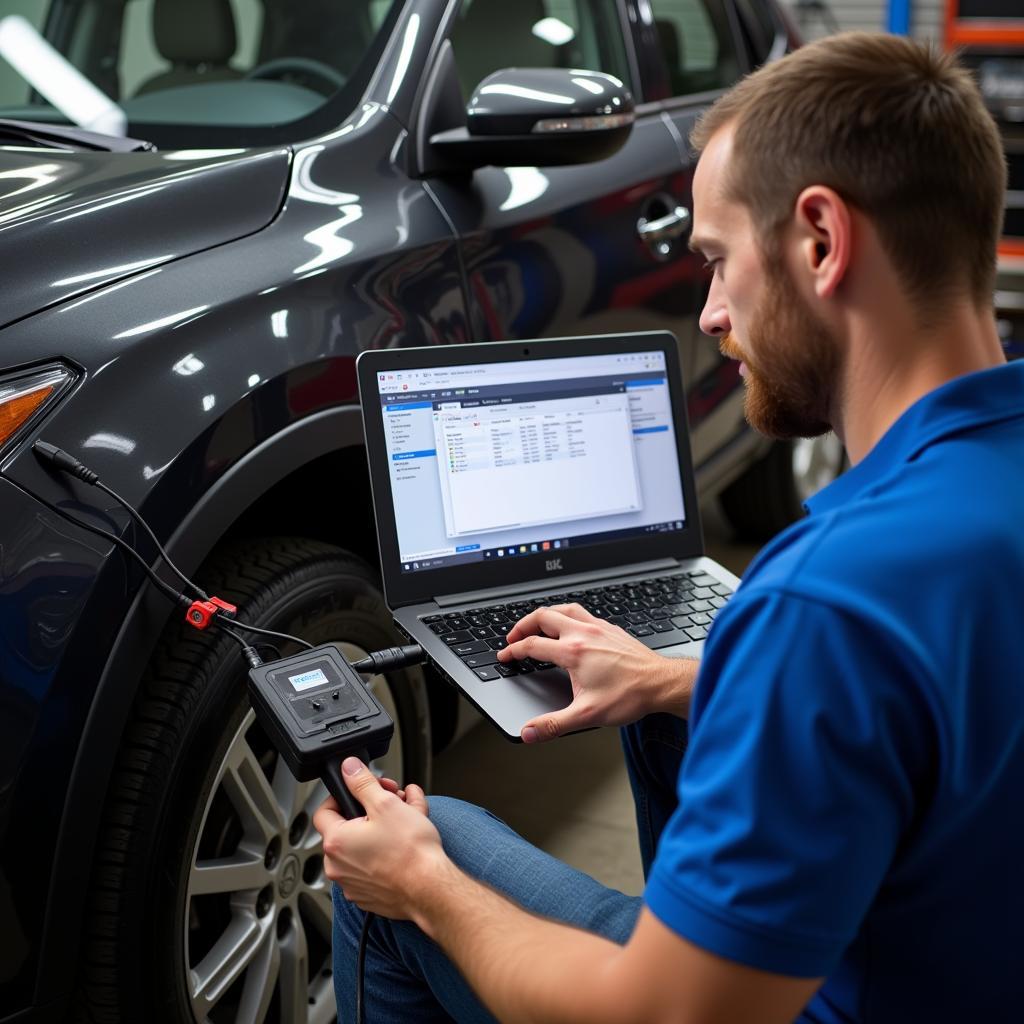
220, 506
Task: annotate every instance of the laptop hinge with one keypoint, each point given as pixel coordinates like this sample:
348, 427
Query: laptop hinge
556, 584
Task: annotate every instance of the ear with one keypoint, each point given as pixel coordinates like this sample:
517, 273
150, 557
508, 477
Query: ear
824, 234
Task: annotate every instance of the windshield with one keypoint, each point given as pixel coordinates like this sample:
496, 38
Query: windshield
202, 73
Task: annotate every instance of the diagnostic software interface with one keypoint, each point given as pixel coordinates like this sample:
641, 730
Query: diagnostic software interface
502, 460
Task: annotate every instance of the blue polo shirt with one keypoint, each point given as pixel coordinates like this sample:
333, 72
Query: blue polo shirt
852, 801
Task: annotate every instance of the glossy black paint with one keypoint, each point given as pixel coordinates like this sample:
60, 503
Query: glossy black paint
214, 304
157, 207
513, 101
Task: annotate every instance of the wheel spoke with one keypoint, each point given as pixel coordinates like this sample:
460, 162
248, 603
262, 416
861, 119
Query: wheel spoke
312, 842
260, 982
251, 794
228, 874
816, 463
315, 796
316, 909
287, 791
295, 797
294, 973
233, 952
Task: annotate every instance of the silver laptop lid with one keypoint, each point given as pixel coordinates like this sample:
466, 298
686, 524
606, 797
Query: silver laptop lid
510, 461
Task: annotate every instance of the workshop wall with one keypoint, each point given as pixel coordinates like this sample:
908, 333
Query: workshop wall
926, 17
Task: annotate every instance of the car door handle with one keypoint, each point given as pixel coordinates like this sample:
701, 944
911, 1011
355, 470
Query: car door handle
675, 223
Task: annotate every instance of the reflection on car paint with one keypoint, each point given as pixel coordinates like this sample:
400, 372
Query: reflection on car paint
37, 176
525, 185
111, 442
171, 320
405, 56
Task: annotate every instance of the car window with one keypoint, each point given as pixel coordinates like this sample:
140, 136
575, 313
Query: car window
494, 34
14, 90
140, 59
760, 27
696, 41
220, 72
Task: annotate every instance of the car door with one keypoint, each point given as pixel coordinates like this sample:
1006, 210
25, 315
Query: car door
692, 51
558, 250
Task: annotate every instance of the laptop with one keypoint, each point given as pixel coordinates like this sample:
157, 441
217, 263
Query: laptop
510, 475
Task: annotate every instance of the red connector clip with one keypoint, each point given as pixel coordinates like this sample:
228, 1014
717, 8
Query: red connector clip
201, 613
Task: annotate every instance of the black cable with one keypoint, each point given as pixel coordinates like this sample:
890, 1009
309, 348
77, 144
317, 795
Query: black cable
390, 659
65, 463
250, 654
380, 661
137, 516
268, 632
166, 589
361, 968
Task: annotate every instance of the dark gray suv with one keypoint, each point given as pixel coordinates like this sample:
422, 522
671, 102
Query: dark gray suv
185, 320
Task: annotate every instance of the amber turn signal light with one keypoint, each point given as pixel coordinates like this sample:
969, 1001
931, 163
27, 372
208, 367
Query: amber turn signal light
23, 397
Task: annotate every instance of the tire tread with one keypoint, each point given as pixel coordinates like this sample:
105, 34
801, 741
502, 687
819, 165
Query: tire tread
248, 574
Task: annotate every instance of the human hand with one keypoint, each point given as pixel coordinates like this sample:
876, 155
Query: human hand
379, 860
390, 785
615, 678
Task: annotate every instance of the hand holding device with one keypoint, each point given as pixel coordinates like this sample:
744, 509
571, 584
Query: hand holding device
317, 711
615, 678
381, 860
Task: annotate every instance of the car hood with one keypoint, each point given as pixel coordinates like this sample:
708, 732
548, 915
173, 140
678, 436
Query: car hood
74, 222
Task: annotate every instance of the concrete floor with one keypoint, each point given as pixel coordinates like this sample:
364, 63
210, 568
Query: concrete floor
569, 797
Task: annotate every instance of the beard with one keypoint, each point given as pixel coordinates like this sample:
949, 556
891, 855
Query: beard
791, 383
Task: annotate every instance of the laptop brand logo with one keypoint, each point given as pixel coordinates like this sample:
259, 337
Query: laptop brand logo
553, 565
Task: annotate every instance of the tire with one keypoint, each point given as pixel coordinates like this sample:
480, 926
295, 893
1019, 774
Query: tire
208, 901
771, 493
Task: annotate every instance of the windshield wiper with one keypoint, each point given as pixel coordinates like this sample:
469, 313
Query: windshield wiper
69, 138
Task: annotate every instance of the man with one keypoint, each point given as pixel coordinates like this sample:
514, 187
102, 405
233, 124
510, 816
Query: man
848, 840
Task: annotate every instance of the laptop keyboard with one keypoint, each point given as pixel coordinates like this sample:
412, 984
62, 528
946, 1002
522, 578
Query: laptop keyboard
661, 612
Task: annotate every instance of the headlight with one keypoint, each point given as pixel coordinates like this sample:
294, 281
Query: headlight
25, 396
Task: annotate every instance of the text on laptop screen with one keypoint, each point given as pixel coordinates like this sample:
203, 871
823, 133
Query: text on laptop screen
500, 460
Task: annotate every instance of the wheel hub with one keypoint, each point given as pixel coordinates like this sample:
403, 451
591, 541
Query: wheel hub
288, 879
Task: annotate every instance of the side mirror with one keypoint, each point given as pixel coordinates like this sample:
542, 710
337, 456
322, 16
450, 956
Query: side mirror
540, 117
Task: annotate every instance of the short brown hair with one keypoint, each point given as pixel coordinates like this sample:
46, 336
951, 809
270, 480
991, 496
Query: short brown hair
899, 130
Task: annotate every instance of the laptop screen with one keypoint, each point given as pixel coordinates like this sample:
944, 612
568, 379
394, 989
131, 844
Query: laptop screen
499, 460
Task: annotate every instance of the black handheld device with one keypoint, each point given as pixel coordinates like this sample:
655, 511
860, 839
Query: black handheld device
317, 710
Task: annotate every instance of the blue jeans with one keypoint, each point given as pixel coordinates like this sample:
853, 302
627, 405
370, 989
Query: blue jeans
409, 978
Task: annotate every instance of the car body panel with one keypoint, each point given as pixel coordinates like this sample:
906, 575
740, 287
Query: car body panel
159, 207
351, 252
555, 250
240, 287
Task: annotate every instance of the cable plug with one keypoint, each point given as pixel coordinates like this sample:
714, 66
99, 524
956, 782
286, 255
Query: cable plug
201, 613
60, 460
252, 656
390, 659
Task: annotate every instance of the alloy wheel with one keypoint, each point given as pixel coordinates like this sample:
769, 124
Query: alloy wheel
258, 917
817, 461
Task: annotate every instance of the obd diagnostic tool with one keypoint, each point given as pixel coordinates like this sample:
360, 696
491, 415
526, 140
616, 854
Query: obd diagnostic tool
317, 711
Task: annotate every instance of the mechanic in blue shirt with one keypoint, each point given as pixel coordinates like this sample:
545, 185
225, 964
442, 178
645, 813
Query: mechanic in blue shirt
846, 840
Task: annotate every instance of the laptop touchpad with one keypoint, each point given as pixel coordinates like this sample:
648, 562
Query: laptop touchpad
551, 686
